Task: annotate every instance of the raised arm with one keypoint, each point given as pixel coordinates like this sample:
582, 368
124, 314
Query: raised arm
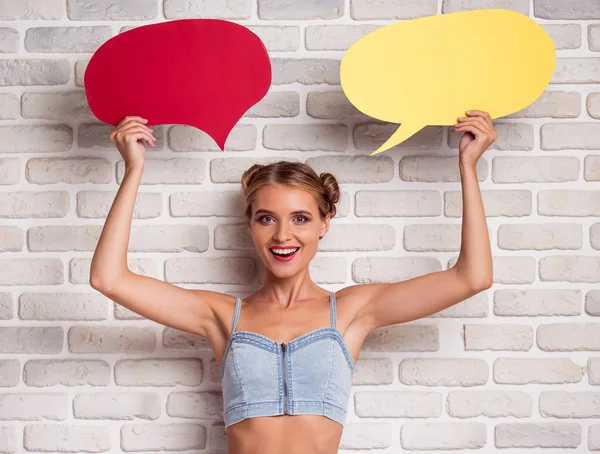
388, 304
187, 310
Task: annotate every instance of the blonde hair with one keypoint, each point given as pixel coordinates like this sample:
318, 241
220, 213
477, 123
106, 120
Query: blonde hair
323, 187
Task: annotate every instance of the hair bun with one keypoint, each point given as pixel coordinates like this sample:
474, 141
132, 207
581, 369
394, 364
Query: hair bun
248, 174
331, 191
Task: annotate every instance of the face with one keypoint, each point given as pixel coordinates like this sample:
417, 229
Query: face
285, 226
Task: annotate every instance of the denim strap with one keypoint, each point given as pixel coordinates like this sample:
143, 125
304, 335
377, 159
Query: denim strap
236, 313
332, 304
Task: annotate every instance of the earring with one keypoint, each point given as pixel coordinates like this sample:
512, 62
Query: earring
320, 237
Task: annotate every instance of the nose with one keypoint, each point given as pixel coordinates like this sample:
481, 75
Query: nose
282, 233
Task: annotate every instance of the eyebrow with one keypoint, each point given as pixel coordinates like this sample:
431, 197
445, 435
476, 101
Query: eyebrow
298, 212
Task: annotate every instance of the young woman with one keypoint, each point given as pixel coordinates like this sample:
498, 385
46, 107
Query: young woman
287, 353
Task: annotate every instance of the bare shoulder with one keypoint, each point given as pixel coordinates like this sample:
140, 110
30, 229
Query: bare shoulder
221, 306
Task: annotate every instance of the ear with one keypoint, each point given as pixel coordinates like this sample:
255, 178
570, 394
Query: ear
324, 227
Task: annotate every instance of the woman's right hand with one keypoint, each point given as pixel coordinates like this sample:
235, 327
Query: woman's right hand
127, 137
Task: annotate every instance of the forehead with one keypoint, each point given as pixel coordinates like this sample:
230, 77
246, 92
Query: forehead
284, 198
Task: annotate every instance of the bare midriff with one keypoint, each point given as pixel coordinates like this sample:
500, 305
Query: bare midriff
297, 434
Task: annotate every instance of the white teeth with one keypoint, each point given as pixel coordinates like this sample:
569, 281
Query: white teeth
284, 251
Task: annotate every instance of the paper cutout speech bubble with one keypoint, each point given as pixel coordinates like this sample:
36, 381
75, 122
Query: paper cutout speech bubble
201, 72
431, 70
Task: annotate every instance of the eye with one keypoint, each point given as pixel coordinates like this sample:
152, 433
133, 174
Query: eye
265, 218
302, 219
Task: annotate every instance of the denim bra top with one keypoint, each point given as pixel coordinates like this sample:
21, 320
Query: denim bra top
311, 374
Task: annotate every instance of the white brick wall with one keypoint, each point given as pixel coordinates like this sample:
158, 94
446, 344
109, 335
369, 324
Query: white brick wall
517, 366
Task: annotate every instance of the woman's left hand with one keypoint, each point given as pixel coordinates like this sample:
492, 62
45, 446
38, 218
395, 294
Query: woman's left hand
479, 134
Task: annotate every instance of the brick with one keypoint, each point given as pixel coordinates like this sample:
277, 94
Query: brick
453, 6
35, 139
69, 170
403, 338
564, 37
63, 238
222, 203
41, 372
366, 436
9, 40
169, 238
591, 170
23, 340
216, 9
576, 71
12, 239
66, 39
32, 9
96, 204
217, 436
568, 203
56, 106
223, 270
358, 237
108, 10
159, 437
397, 404
306, 71
307, 9
10, 170
6, 306
176, 340
443, 372
593, 371
398, 203
570, 268
511, 137
373, 371
553, 9
537, 302
34, 72
67, 438
474, 307
593, 105
335, 37
594, 437
592, 302
80, 67
117, 406
540, 237
534, 435
395, 9
10, 370
8, 439
522, 371
448, 435
62, 306
187, 138
595, 235
436, 169
498, 337
98, 136
9, 110
169, 171
535, 169
594, 37
492, 404
328, 270
276, 104
355, 169
509, 203
562, 404
559, 136
305, 137
553, 104
332, 105
230, 170
371, 136
432, 237
33, 271
514, 270
562, 337
195, 405
79, 269
368, 270
113, 339
277, 38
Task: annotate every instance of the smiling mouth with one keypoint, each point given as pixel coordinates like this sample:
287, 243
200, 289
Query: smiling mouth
284, 252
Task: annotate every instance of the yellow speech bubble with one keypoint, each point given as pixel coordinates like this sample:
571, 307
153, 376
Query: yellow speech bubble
431, 70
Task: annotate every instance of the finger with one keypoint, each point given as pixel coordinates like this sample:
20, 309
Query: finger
122, 136
134, 127
478, 113
472, 129
477, 123
129, 118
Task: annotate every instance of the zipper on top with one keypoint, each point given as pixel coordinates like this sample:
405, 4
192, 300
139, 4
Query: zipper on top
285, 397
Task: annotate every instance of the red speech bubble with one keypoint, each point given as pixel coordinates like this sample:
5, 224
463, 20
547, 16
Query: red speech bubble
204, 73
